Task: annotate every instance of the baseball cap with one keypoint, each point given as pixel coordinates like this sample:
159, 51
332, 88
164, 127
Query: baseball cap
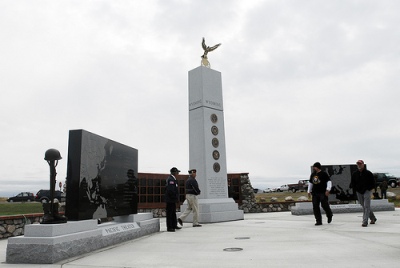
174, 170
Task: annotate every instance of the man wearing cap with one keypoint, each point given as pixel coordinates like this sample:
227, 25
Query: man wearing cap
362, 181
319, 187
192, 191
171, 198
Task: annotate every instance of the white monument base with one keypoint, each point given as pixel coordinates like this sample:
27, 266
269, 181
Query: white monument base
215, 210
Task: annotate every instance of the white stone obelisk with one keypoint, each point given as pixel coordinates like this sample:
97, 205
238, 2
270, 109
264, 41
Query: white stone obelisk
207, 151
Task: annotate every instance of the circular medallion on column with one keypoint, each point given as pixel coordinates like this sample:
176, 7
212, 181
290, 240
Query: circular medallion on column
214, 118
215, 142
216, 167
214, 130
216, 155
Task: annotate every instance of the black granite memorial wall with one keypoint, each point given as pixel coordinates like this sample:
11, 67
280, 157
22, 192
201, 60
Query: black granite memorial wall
101, 177
340, 176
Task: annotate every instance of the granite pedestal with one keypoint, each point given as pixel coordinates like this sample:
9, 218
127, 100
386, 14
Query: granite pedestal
51, 243
306, 208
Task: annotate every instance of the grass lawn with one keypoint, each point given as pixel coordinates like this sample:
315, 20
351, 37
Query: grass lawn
7, 209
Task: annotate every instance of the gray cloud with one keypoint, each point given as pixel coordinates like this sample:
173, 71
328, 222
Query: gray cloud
303, 82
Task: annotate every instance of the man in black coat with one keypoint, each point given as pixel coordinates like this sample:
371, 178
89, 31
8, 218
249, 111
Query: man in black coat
362, 181
319, 187
171, 198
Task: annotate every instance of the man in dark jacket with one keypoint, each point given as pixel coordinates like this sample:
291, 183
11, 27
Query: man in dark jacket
383, 186
319, 187
192, 191
362, 181
171, 198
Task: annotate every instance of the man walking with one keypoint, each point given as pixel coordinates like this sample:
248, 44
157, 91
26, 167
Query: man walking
362, 181
171, 198
192, 191
319, 187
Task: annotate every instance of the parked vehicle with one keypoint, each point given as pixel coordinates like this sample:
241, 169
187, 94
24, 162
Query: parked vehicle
302, 185
22, 197
392, 181
257, 191
282, 188
44, 196
268, 190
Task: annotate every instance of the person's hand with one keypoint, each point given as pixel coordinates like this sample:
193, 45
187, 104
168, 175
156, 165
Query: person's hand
327, 193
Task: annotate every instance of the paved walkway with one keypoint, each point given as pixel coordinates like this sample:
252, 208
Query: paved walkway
266, 240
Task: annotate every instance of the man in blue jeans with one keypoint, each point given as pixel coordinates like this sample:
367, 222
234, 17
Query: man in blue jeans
362, 181
319, 187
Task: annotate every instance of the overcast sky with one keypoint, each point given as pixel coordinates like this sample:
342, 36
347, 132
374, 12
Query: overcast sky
303, 81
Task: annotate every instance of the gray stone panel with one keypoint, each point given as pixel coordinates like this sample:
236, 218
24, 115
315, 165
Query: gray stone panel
53, 240
50, 230
376, 205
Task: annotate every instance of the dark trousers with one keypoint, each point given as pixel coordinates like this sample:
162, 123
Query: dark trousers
383, 194
322, 199
171, 216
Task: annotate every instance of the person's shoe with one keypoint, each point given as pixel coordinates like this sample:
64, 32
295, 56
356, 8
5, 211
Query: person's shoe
197, 225
364, 225
177, 227
180, 222
330, 219
318, 223
373, 221
170, 230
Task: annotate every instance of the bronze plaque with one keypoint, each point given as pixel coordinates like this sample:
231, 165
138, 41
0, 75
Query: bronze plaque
215, 155
214, 130
214, 118
216, 167
215, 142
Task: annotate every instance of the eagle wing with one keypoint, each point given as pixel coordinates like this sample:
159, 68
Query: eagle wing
214, 47
203, 44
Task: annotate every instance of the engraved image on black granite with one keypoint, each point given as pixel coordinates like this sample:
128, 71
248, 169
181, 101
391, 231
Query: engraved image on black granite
340, 176
101, 177
214, 130
131, 191
216, 167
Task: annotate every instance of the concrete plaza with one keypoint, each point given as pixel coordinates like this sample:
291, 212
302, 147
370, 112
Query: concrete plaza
260, 240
